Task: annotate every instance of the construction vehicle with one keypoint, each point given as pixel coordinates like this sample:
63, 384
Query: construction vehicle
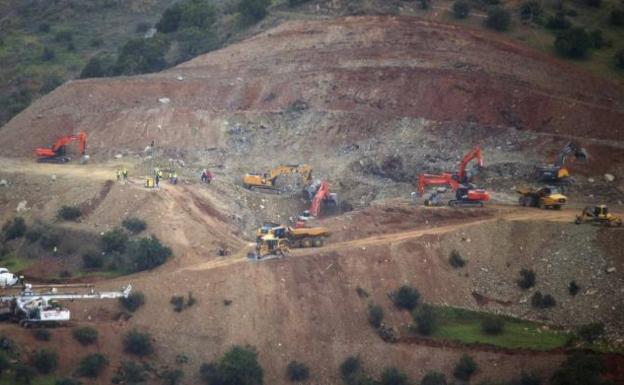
557, 173
322, 198
7, 279
544, 198
39, 308
274, 239
270, 181
57, 152
598, 214
465, 195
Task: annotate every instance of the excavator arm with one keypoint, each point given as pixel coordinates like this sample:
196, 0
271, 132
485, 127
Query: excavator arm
57, 150
475, 153
571, 148
445, 179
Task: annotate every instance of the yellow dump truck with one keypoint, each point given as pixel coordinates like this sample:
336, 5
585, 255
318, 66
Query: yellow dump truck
273, 239
545, 197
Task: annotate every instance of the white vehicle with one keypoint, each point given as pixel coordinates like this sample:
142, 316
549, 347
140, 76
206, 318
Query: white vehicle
7, 278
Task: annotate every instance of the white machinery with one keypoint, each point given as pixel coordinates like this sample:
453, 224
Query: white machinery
30, 307
7, 278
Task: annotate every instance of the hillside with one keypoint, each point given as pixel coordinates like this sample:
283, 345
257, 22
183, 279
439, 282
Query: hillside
370, 102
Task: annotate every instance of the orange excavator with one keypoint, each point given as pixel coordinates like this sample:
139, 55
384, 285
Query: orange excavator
57, 154
465, 194
322, 197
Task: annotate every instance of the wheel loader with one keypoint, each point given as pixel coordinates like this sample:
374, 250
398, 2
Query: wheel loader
544, 198
598, 214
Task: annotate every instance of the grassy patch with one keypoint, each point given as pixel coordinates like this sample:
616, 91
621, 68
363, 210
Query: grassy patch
8, 379
465, 326
15, 263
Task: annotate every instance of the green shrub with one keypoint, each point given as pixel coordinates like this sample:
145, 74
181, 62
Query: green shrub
140, 56
433, 378
134, 225
86, 335
616, 17
64, 36
530, 10
68, 381
456, 260
178, 303
540, 301
32, 235
48, 54
69, 213
98, 66
297, 371
597, 40
142, 27
407, 297
42, 334
45, 361
619, 59
138, 343
92, 260
195, 41
50, 239
425, 319
253, 11
15, 228
239, 366
498, 18
591, 332
558, 22
172, 376
393, 376
573, 288
580, 369
461, 9
465, 368
114, 241
527, 279
44, 27
24, 374
375, 315
350, 366
148, 253
593, 3
50, 83
133, 302
573, 43
527, 379
492, 325
92, 365
129, 373
293, 3
170, 19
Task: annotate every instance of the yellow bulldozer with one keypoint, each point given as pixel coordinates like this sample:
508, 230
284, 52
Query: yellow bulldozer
598, 214
270, 180
275, 239
544, 198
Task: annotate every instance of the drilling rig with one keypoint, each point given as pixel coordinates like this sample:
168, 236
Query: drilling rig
33, 307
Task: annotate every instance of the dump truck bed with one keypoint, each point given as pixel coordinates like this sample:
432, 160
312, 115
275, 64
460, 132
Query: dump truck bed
304, 232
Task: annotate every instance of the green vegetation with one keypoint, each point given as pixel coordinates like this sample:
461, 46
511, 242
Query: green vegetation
129, 373
492, 325
580, 369
573, 43
591, 332
138, 343
407, 297
540, 301
527, 279
393, 376
239, 366
433, 378
425, 319
461, 9
114, 241
42, 334
69, 213
573, 288
498, 18
68, 381
92, 365
172, 376
253, 11
134, 225
86, 335
456, 260
530, 10
45, 361
297, 371
133, 302
15, 228
466, 326
375, 315
465, 368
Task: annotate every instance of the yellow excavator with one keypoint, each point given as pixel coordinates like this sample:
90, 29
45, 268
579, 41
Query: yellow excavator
598, 214
270, 180
275, 239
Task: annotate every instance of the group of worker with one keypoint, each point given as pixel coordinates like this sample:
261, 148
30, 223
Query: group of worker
206, 176
122, 173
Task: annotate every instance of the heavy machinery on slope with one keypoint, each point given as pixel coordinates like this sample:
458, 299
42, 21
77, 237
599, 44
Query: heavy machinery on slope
598, 214
275, 239
40, 308
465, 194
57, 152
270, 180
7, 279
544, 198
557, 173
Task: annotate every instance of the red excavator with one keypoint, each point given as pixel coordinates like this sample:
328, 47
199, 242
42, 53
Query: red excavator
323, 197
465, 194
56, 153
